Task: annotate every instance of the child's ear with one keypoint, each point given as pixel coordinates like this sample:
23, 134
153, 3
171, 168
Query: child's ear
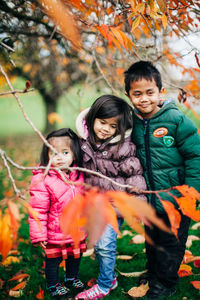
162, 98
126, 94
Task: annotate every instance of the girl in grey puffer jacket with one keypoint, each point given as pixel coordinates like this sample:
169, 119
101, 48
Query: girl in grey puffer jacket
105, 130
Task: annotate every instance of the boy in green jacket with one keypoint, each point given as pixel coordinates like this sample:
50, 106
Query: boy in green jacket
168, 147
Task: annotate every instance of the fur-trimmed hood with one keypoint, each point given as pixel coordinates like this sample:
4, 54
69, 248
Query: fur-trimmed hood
82, 130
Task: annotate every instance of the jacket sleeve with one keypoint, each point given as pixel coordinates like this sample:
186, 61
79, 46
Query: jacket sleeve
40, 202
188, 144
131, 169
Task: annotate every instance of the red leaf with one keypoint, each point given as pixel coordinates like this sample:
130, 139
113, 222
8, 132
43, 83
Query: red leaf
28, 84
92, 282
197, 263
40, 295
196, 284
174, 216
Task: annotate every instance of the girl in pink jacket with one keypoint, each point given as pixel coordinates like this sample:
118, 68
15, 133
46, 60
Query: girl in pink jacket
49, 195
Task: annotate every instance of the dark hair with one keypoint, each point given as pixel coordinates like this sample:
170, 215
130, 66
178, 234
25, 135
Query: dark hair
109, 106
139, 70
74, 145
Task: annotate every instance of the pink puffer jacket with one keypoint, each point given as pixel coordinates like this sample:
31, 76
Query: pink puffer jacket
49, 195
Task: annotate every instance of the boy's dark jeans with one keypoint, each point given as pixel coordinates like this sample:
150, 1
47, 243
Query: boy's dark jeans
164, 259
52, 268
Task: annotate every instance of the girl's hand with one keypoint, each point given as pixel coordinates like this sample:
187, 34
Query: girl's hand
43, 244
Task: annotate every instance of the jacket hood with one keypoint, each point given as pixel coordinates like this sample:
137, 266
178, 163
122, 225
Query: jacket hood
82, 130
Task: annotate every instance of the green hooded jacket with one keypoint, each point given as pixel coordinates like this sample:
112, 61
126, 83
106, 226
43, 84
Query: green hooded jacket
168, 147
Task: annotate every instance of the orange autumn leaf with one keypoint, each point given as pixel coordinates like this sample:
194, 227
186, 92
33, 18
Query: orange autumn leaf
5, 237
173, 215
137, 207
187, 202
19, 286
54, 118
20, 276
15, 218
40, 295
184, 270
196, 284
63, 19
88, 213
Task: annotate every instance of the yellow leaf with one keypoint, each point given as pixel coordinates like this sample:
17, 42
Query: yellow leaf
54, 118
140, 7
11, 259
138, 292
124, 257
132, 274
136, 22
5, 237
161, 4
164, 21
63, 19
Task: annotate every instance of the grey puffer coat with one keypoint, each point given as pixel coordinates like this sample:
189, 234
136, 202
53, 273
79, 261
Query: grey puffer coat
118, 163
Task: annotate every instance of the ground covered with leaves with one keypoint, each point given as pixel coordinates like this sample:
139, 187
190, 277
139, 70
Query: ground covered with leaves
22, 272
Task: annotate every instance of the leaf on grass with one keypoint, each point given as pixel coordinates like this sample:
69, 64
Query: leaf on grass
88, 252
190, 239
138, 292
124, 257
196, 226
20, 276
40, 295
138, 239
16, 294
196, 284
19, 286
174, 216
11, 259
91, 282
197, 262
184, 270
132, 274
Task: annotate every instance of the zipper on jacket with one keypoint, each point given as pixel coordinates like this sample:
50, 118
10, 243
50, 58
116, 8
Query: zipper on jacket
148, 156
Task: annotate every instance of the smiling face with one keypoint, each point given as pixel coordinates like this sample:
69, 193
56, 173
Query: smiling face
145, 96
105, 128
62, 145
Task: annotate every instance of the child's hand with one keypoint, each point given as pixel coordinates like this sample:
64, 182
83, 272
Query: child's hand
43, 244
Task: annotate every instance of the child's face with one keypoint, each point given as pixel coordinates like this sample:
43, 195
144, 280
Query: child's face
62, 145
145, 96
105, 128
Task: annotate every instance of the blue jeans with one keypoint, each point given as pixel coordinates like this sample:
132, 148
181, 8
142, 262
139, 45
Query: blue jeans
106, 249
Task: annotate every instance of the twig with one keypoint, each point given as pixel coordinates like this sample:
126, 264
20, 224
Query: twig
16, 92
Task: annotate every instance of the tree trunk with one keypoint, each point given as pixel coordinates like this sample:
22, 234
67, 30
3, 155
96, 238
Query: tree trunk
50, 106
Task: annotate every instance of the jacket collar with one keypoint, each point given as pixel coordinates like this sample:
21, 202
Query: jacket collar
82, 130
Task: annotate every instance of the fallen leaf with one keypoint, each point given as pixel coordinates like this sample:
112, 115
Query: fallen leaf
88, 252
196, 226
184, 270
124, 257
197, 262
126, 232
40, 295
139, 292
15, 294
132, 274
138, 239
190, 239
196, 284
20, 276
10, 259
91, 282
19, 286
